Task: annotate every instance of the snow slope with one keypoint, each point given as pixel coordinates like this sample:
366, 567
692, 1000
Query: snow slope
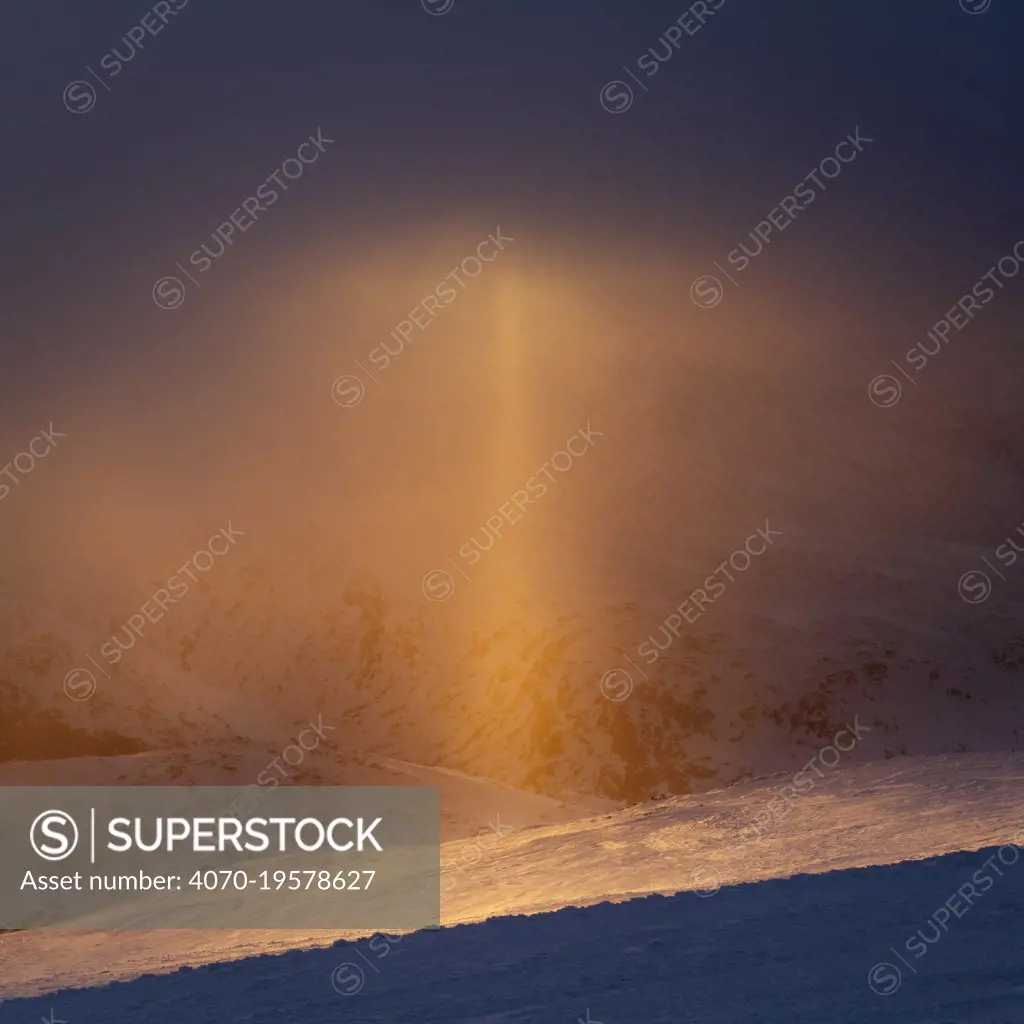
815, 633
787, 950
466, 800
857, 816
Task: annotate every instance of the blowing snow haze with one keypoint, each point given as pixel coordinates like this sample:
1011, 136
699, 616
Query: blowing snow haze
595, 425
600, 402
390, 367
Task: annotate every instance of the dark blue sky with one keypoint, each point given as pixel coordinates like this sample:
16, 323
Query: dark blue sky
495, 106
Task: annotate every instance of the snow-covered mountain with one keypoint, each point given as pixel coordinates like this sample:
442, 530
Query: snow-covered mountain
346, 589
552, 695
